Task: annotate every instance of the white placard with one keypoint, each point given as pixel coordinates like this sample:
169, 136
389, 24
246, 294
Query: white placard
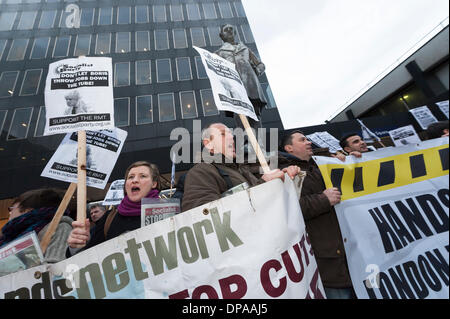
443, 106
404, 135
79, 95
115, 193
227, 87
102, 150
423, 116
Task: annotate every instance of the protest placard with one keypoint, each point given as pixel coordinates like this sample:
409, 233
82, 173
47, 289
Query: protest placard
394, 219
212, 251
115, 193
99, 145
404, 135
79, 95
155, 209
227, 88
20, 254
443, 106
423, 116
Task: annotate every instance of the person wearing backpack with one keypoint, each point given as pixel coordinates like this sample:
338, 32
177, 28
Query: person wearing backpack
206, 182
142, 180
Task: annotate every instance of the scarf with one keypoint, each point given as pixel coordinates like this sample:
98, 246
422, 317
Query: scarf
33, 220
129, 208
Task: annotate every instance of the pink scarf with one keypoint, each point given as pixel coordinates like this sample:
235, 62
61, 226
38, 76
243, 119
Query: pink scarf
129, 208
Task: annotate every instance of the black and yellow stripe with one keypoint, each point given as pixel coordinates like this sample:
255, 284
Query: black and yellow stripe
356, 180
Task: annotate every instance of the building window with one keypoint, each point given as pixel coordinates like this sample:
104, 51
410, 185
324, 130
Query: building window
214, 37
208, 104
123, 42
40, 126
87, 17
30, 84
225, 10
103, 43
161, 40
8, 83
20, 124
122, 112
269, 96
7, 20
183, 69
105, 16
239, 9
193, 11
179, 39
188, 105
61, 46
18, 48
142, 41
248, 36
209, 10
123, 15
198, 37
159, 13
141, 14
2, 47
40, 48
2, 119
201, 72
143, 73
163, 70
27, 20
176, 12
122, 74
166, 107
144, 109
47, 19
82, 45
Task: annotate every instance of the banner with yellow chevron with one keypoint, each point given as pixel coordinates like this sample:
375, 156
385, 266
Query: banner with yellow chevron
394, 219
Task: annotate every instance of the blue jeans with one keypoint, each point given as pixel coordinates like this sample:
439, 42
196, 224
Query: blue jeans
339, 293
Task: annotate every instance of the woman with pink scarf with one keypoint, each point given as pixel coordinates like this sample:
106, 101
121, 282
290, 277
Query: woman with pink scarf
141, 181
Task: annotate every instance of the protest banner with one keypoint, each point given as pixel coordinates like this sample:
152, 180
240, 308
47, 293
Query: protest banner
156, 209
443, 106
99, 145
423, 116
230, 95
234, 248
115, 193
79, 95
404, 135
394, 219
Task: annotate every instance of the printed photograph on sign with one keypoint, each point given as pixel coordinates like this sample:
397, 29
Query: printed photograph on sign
100, 145
423, 116
227, 87
79, 95
404, 136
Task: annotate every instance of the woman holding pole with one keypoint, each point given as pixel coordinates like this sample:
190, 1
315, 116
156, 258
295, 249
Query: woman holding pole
142, 180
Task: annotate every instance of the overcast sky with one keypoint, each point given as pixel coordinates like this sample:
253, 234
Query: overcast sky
320, 53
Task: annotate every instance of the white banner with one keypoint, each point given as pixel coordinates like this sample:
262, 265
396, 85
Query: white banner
115, 193
228, 90
404, 135
394, 218
443, 106
100, 145
325, 140
423, 116
79, 95
247, 245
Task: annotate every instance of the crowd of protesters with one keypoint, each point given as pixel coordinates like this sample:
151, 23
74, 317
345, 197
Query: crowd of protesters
203, 183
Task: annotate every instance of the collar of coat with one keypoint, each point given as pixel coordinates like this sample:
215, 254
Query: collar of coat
233, 47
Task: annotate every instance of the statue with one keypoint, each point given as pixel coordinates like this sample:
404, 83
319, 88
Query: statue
249, 68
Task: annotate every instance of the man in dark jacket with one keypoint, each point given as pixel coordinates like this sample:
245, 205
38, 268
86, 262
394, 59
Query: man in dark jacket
320, 217
204, 183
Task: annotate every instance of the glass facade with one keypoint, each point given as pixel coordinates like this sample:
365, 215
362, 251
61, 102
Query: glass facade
158, 78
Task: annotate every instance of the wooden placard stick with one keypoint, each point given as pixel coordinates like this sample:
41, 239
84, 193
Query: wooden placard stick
254, 142
56, 219
81, 190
